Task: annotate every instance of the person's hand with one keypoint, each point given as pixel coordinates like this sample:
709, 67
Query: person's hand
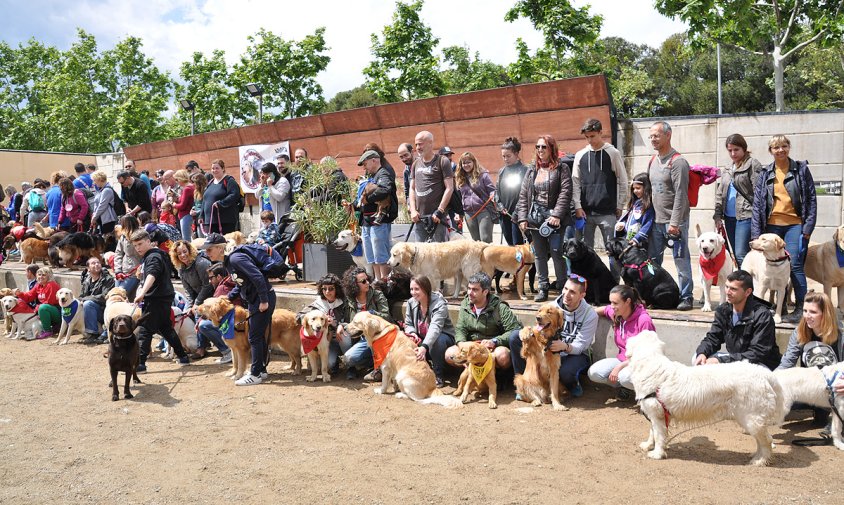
673, 230
614, 374
717, 223
414, 216
420, 353
553, 221
523, 226
699, 360
139, 298
619, 226
839, 385
806, 237
263, 306
580, 213
338, 335
559, 346
414, 338
346, 205
489, 344
16, 292
435, 218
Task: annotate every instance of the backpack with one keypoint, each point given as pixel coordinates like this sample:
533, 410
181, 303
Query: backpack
695, 181
117, 204
241, 204
296, 180
36, 202
267, 259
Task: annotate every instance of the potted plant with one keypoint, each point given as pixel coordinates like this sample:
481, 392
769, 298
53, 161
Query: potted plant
321, 217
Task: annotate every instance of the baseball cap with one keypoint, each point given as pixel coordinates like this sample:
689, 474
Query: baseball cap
367, 155
211, 240
446, 150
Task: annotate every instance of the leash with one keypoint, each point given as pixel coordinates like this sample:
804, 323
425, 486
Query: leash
722, 230
831, 396
482, 207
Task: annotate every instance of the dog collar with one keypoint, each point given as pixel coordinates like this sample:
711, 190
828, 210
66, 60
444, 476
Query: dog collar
665, 411
309, 342
69, 312
479, 373
782, 258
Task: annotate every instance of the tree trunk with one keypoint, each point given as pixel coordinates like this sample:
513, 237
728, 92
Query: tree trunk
777, 58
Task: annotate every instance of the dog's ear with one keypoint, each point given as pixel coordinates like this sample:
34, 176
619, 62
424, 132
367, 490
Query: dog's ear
111, 325
697, 230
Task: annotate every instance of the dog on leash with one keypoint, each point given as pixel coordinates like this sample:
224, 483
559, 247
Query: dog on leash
811, 386
479, 374
823, 264
715, 266
73, 320
123, 353
655, 285
541, 377
770, 266
670, 392
25, 325
517, 260
80, 245
315, 338
216, 309
457, 259
586, 263
350, 241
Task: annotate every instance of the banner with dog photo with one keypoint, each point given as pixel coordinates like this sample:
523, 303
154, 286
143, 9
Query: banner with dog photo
252, 158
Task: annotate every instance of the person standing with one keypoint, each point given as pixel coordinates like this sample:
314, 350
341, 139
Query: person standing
274, 192
103, 214
405, 152
477, 193
431, 186
135, 194
53, 199
599, 188
220, 199
669, 174
785, 204
734, 196
507, 189
183, 203
74, 207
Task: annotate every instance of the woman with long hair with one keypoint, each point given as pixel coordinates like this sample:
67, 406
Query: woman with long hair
193, 271
183, 202
274, 192
507, 189
545, 199
734, 196
477, 192
74, 206
360, 297
126, 258
636, 222
199, 184
428, 323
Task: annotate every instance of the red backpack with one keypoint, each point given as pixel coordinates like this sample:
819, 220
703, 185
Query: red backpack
695, 181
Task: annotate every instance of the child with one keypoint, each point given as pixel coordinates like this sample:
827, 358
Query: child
31, 270
167, 216
269, 233
637, 221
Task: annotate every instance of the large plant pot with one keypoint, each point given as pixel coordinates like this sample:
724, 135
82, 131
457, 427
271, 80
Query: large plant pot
320, 259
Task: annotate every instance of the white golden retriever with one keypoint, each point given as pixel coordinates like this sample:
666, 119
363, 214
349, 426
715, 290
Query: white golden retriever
809, 385
712, 250
669, 391
438, 261
770, 267
73, 321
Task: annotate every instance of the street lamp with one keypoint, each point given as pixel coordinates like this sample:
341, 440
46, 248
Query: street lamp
256, 90
188, 105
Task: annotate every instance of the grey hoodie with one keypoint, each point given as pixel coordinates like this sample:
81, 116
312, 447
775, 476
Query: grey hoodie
578, 327
440, 321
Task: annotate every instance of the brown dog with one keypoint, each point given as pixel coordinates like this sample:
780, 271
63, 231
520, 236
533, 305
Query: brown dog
34, 249
123, 354
215, 310
822, 265
516, 260
479, 375
315, 337
541, 366
284, 334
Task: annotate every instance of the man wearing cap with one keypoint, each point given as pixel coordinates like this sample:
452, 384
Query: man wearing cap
253, 287
375, 230
431, 186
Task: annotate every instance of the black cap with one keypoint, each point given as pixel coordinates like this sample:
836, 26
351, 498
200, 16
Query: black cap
212, 239
445, 150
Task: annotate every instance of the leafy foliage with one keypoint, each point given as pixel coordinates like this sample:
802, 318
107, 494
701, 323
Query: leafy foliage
315, 207
465, 73
352, 99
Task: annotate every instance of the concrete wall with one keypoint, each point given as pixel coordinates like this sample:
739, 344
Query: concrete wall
19, 166
815, 136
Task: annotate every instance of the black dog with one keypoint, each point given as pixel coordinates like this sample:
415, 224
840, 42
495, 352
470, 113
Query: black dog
396, 287
53, 251
531, 275
123, 353
586, 263
654, 284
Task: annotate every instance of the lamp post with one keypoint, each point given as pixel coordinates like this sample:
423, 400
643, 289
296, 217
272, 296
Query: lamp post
188, 105
256, 90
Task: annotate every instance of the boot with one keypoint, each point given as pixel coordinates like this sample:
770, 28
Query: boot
542, 295
795, 316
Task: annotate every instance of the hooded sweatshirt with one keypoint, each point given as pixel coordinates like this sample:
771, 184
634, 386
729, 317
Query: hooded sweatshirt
638, 322
599, 180
579, 326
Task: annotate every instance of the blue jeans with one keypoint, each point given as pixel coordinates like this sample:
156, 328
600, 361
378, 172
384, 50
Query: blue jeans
185, 226
93, 315
359, 355
797, 248
738, 231
511, 232
208, 332
543, 248
336, 348
130, 284
437, 353
656, 250
571, 366
376, 243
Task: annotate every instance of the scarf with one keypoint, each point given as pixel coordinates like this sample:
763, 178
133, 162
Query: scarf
70, 311
711, 267
479, 373
381, 346
840, 255
227, 325
309, 342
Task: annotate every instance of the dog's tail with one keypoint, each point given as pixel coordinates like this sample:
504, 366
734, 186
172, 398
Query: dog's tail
781, 406
447, 401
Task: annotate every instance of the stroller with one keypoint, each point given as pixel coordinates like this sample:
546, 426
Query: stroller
290, 232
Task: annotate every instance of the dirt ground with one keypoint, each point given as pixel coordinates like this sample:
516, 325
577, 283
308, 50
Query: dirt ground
191, 436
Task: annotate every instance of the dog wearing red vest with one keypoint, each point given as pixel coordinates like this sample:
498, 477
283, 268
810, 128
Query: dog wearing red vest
315, 338
715, 265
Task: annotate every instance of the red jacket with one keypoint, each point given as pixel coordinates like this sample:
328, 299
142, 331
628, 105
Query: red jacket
42, 294
185, 203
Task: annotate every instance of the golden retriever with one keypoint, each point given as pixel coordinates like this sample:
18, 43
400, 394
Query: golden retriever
770, 267
43, 231
215, 309
712, 249
34, 249
541, 365
117, 302
284, 334
822, 265
315, 339
480, 365
75, 325
517, 260
414, 378
458, 259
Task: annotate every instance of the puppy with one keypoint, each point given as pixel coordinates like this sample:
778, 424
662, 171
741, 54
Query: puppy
315, 338
479, 374
822, 265
284, 334
34, 249
517, 260
714, 265
668, 391
655, 285
541, 365
25, 325
395, 354
215, 310
79, 245
770, 267
73, 321
808, 385
586, 263
123, 354
349, 241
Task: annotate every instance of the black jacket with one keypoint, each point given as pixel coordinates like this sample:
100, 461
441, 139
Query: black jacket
96, 290
559, 193
137, 195
386, 183
753, 338
158, 264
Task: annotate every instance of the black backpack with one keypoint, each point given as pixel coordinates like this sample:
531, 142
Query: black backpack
117, 204
241, 204
267, 259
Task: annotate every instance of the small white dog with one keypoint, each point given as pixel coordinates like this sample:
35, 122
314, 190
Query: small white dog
73, 320
185, 327
26, 325
715, 266
348, 240
809, 385
669, 391
770, 266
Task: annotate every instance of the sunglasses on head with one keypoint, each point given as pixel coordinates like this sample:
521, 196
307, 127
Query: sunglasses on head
581, 280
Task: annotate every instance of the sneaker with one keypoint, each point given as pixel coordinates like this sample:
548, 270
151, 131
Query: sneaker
89, 338
225, 358
264, 375
100, 340
373, 376
352, 374
184, 360
248, 380
440, 383
45, 334
142, 368
577, 391
685, 305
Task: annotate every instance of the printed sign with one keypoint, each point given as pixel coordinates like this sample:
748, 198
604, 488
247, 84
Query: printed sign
828, 188
252, 158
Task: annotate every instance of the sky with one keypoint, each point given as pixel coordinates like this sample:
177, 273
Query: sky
172, 30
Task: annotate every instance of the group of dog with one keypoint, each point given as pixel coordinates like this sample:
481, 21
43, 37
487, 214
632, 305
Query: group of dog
54, 247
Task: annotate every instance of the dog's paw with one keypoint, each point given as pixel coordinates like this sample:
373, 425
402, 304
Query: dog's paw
492, 404
128, 396
560, 407
647, 445
839, 444
377, 391
114, 398
706, 308
326, 378
536, 403
760, 461
656, 454
777, 318
401, 395
310, 378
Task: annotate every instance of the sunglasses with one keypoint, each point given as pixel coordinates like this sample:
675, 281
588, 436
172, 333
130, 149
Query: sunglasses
540, 147
364, 281
581, 280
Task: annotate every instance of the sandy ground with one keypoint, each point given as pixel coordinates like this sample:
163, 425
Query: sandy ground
191, 436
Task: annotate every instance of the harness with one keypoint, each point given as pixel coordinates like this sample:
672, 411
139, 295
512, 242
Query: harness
831, 397
647, 263
665, 411
521, 259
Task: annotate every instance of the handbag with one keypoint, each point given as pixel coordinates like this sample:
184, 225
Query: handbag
537, 215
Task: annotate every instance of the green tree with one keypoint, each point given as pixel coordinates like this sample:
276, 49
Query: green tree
816, 79
465, 73
287, 72
352, 99
208, 83
404, 65
778, 30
